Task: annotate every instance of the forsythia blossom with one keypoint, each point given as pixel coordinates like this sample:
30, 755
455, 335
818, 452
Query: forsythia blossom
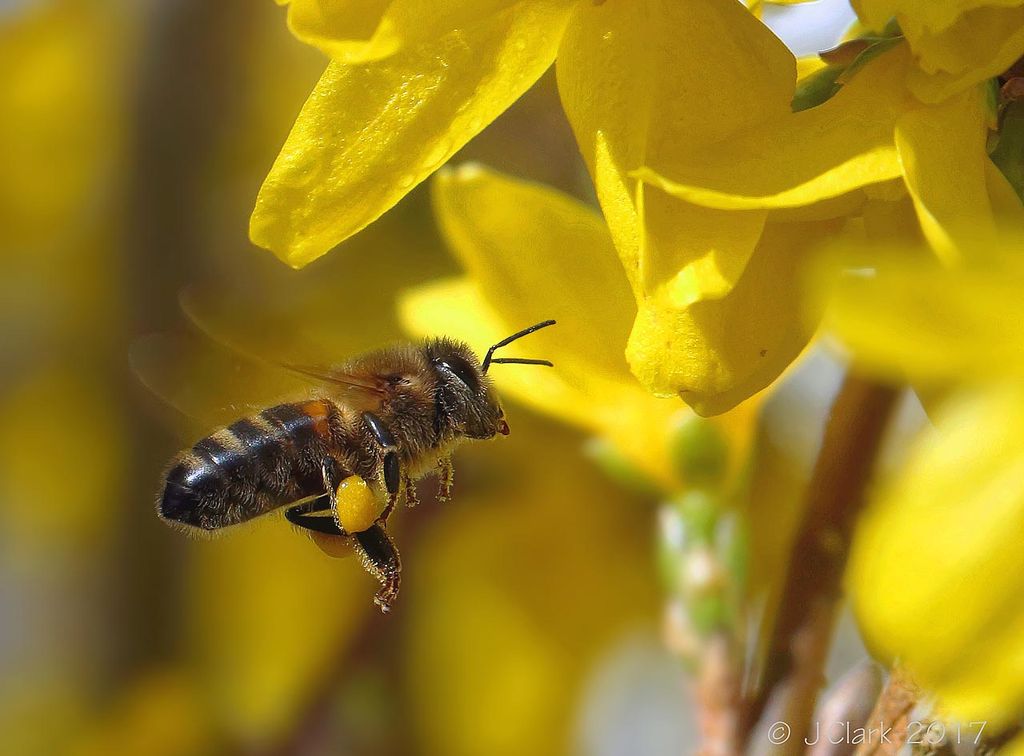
519, 244
712, 187
400, 98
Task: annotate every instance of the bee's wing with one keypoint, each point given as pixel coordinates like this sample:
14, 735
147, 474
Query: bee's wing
296, 327
209, 385
295, 332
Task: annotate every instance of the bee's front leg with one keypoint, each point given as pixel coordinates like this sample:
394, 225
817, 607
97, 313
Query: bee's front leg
391, 467
445, 479
380, 558
411, 497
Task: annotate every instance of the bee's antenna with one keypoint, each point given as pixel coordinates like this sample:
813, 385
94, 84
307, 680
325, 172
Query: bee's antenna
517, 360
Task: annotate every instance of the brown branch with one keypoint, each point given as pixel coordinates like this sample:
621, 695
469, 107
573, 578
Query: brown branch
891, 715
849, 702
718, 693
802, 633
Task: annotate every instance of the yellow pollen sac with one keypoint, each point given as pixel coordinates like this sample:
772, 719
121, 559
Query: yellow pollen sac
358, 506
338, 547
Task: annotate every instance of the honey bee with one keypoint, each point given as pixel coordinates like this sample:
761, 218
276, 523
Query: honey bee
389, 417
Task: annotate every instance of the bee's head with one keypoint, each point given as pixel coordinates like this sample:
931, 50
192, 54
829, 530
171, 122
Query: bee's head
465, 396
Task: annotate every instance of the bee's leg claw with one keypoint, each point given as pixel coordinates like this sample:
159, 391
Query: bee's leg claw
380, 558
386, 595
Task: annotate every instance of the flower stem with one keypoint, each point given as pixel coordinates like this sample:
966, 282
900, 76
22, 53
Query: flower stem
799, 642
891, 714
718, 693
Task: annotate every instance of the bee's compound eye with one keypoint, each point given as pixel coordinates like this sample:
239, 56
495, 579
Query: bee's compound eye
462, 371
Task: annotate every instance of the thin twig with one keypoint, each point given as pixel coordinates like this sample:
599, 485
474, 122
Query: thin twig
718, 693
801, 636
890, 716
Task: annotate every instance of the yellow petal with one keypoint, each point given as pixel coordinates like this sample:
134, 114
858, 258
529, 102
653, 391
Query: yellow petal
808, 66
538, 254
911, 319
981, 44
352, 31
757, 6
534, 253
799, 158
628, 75
357, 31
716, 353
370, 132
636, 422
942, 149
945, 533
957, 43
921, 15
691, 252
457, 308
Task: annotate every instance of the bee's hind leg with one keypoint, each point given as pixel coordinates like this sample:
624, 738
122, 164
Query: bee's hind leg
380, 558
304, 515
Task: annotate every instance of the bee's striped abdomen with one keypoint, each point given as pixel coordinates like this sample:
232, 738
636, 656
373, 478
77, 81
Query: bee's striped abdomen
252, 466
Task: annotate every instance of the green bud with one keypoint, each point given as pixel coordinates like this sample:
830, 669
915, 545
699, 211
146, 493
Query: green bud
709, 614
699, 511
872, 51
817, 88
699, 453
892, 29
1009, 152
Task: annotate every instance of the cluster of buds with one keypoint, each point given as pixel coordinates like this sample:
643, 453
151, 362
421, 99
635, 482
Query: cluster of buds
701, 544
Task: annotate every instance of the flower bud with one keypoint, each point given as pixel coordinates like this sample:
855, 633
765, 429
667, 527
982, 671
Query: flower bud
699, 453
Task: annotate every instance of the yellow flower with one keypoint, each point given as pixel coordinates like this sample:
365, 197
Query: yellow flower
936, 565
521, 245
629, 75
373, 129
712, 187
956, 43
871, 131
856, 154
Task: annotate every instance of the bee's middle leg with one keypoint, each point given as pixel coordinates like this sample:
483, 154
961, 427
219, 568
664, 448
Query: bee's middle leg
392, 469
